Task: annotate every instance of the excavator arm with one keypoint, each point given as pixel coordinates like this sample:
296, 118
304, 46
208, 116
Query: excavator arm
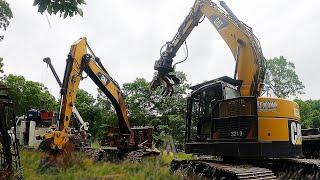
245, 47
78, 61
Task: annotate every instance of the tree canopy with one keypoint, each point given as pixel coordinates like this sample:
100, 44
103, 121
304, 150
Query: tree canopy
165, 114
64, 8
97, 111
5, 16
29, 94
282, 79
310, 113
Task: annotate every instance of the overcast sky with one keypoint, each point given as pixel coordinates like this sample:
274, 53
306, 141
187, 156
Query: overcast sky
127, 36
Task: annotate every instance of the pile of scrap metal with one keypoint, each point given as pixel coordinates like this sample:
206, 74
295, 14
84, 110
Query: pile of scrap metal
10, 166
80, 139
112, 149
143, 136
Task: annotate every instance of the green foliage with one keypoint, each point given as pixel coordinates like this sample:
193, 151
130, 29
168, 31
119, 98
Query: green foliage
5, 16
310, 113
84, 168
145, 107
85, 105
107, 114
98, 112
281, 78
165, 114
65, 8
167, 158
29, 94
84, 99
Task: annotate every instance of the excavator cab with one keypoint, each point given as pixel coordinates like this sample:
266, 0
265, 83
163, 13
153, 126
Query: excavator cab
214, 116
203, 105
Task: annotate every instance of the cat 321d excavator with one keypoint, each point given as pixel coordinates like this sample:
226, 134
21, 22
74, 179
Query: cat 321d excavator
227, 117
126, 139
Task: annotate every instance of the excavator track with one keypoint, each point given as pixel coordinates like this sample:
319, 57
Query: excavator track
292, 168
277, 168
218, 170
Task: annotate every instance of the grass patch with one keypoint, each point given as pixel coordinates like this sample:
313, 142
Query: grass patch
167, 158
84, 168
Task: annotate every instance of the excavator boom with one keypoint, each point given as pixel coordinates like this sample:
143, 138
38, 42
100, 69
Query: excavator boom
245, 47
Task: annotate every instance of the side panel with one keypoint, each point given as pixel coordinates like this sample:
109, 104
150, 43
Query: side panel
279, 128
278, 108
273, 129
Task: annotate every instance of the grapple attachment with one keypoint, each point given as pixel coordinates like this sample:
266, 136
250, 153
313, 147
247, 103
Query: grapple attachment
164, 75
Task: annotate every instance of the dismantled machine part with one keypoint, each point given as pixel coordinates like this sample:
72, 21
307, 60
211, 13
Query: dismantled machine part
10, 166
227, 117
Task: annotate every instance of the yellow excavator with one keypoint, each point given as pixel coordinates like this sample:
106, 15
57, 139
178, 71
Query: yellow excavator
79, 61
228, 117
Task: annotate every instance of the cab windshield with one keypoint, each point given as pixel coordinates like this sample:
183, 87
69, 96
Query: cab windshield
231, 93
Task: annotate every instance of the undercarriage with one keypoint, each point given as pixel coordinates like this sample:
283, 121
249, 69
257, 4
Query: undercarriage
281, 168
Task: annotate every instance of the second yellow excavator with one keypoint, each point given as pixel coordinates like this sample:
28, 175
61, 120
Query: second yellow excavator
80, 60
228, 117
